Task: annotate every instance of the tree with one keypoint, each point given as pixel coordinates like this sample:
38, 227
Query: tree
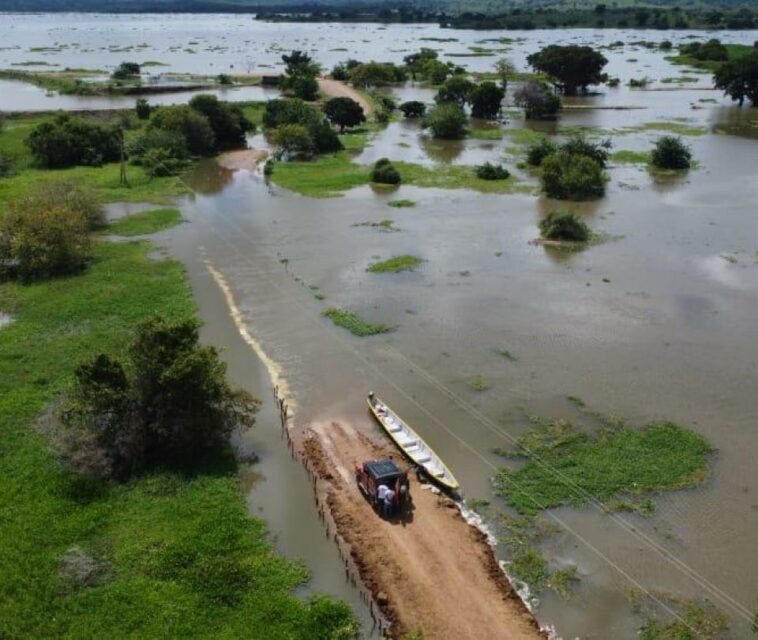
46, 233
340, 72
415, 62
738, 78
299, 63
671, 153
374, 74
287, 111
142, 108
540, 150
66, 142
571, 177
578, 145
570, 67
455, 90
447, 121
504, 69
436, 72
324, 137
294, 140
344, 112
565, 226
227, 121
126, 71
384, 173
191, 124
304, 87
167, 151
167, 404
537, 100
413, 109
486, 100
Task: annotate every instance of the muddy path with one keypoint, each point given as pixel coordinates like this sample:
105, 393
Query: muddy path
337, 89
428, 569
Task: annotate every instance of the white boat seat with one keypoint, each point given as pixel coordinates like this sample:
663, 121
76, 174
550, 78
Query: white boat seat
410, 443
440, 474
396, 429
424, 460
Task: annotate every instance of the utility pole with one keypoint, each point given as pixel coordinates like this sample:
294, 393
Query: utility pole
123, 179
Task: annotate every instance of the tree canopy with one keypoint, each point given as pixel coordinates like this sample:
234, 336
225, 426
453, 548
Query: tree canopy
66, 142
486, 100
738, 78
537, 100
344, 112
447, 121
570, 67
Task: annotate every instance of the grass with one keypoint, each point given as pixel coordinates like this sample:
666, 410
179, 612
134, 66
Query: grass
678, 80
146, 222
613, 462
678, 128
395, 264
485, 133
695, 620
529, 566
625, 156
479, 383
354, 323
330, 175
401, 203
179, 555
382, 225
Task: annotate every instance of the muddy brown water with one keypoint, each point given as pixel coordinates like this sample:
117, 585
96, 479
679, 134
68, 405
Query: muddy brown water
658, 322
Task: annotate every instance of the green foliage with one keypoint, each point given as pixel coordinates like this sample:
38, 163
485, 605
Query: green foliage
563, 465
529, 566
340, 72
712, 50
413, 109
299, 63
143, 109
565, 226
488, 171
447, 121
226, 119
354, 323
145, 222
294, 140
126, 71
671, 153
192, 125
288, 111
537, 100
385, 173
344, 112
540, 150
395, 265
402, 203
578, 145
572, 177
65, 142
376, 74
455, 90
738, 78
486, 100
303, 86
570, 67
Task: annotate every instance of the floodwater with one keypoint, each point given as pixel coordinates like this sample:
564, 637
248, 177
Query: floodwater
659, 322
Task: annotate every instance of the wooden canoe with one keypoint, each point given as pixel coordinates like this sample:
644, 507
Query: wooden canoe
412, 445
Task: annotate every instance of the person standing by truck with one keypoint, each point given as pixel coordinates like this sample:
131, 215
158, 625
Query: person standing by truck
381, 494
389, 503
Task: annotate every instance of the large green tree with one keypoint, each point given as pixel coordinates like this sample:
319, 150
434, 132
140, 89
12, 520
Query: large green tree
738, 78
486, 100
570, 67
344, 112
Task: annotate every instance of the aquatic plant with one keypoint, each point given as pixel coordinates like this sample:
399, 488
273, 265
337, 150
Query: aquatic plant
395, 265
671, 153
401, 203
354, 323
564, 226
488, 171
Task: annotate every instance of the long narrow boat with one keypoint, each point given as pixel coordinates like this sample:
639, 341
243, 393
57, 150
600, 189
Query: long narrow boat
411, 444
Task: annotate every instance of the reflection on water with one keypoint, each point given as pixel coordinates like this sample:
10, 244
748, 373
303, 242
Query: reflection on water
208, 178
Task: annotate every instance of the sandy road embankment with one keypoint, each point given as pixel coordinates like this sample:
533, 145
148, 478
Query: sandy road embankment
429, 569
242, 159
337, 89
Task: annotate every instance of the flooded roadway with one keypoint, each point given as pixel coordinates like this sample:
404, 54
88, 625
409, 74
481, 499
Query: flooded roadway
658, 323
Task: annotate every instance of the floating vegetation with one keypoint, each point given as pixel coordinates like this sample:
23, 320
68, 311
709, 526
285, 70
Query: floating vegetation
395, 264
354, 323
382, 225
401, 204
626, 156
691, 619
506, 354
565, 466
479, 383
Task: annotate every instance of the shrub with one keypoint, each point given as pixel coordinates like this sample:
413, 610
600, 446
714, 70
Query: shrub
570, 177
489, 171
563, 225
66, 142
304, 87
540, 150
325, 139
191, 124
126, 70
294, 140
227, 121
581, 146
159, 163
344, 112
413, 109
225, 79
376, 74
537, 100
143, 109
447, 121
172, 144
384, 173
6, 167
42, 235
671, 153
340, 72
167, 404
288, 111
455, 90
486, 100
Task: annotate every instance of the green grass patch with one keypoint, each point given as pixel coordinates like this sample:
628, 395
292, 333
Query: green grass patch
382, 225
523, 136
486, 133
563, 465
168, 552
679, 80
395, 264
529, 566
678, 128
479, 383
146, 222
354, 323
625, 156
401, 204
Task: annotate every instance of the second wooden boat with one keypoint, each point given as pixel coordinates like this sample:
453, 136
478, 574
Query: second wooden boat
411, 444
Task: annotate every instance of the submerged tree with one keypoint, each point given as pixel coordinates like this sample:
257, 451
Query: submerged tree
572, 177
570, 67
537, 100
486, 100
671, 153
738, 78
447, 121
564, 225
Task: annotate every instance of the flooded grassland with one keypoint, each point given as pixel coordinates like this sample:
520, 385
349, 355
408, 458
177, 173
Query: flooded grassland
658, 322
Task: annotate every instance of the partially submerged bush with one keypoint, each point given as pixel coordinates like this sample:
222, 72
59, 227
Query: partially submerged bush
540, 150
447, 121
671, 153
413, 109
537, 100
294, 140
572, 177
46, 233
191, 124
488, 171
580, 146
294, 111
168, 146
384, 173
566, 226
486, 100
126, 71
226, 119
66, 142
167, 404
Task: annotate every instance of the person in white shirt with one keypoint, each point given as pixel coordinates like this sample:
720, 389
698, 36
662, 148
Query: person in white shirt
389, 499
381, 493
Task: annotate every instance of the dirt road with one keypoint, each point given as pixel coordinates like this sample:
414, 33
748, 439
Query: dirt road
242, 159
429, 570
337, 89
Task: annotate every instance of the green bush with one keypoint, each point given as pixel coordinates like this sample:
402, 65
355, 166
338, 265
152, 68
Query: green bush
159, 163
537, 100
540, 150
578, 145
447, 121
6, 166
142, 108
168, 404
455, 90
325, 139
66, 142
227, 121
563, 225
225, 79
413, 109
486, 100
171, 144
385, 173
344, 112
43, 237
488, 171
671, 153
340, 72
571, 177
191, 124
376, 74
294, 140
126, 71
304, 87
287, 111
